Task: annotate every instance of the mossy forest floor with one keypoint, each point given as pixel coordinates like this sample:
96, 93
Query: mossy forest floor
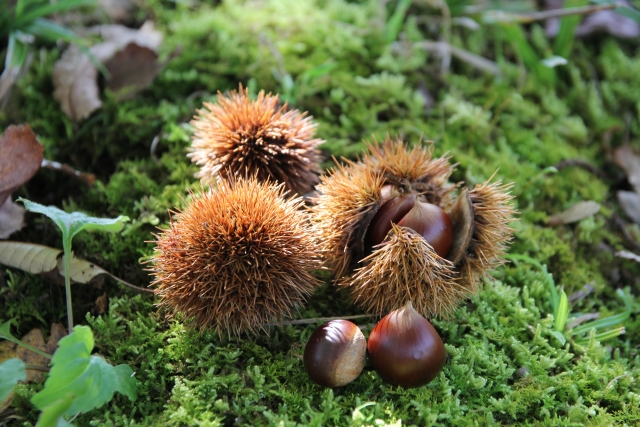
505, 367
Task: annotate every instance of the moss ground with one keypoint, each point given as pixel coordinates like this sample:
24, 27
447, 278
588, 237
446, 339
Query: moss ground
505, 366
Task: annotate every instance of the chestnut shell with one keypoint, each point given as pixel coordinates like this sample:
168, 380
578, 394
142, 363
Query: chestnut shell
405, 349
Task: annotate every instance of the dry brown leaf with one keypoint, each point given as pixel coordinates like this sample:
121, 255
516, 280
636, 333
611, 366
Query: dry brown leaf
74, 80
39, 259
117, 10
575, 213
102, 304
11, 218
630, 203
7, 351
75, 76
58, 331
630, 163
20, 160
35, 339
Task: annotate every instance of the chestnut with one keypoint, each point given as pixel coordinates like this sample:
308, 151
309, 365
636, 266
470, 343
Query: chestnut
408, 210
405, 349
335, 353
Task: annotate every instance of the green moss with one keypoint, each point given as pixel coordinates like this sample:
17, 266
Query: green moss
505, 365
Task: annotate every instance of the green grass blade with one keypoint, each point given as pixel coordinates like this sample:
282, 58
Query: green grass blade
603, 336
562, 313
25, 18
530, 58
49, 30
394, 25
601, 323
563, 43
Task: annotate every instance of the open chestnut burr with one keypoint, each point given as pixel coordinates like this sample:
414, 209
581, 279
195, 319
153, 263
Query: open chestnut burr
395, 230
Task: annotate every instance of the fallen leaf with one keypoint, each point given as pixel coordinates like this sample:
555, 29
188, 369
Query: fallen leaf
628, 255
20, 160
34, 338
102, 304
117, 10
609, 22
74, 80
630, 203
39, 259
129, 55
575, 213
58, 331
11, 218
630, 163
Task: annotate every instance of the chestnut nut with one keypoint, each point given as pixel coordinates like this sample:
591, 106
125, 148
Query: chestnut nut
405, 349
411, 211
335, 353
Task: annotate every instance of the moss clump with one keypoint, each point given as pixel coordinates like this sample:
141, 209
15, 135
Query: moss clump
332, 60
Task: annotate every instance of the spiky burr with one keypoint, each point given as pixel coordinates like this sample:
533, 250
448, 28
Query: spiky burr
239, 136
238, 256
399, 188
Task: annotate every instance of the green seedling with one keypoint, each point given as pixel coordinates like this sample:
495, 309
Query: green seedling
77, 383
582, 334
71, 224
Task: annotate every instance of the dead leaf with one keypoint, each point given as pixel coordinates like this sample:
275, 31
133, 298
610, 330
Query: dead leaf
39, 259
102, 304
117, 10
58, 331
75, 76
608, 22
630, 203
20, 160
575, 213
628, 255
11, 218
74, 80
630, 163
10, 350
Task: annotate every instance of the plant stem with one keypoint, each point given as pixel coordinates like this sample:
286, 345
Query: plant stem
318, 319
66, 245
36, 368
28, 346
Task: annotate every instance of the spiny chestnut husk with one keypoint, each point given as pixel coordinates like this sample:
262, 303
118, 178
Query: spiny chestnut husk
243, 137
405, 349
394, 229
237, 257
335, 353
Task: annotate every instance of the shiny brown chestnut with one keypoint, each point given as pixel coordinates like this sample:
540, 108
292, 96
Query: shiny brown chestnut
335, 353
405, 349
408, 210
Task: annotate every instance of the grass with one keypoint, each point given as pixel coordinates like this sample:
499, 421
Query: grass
506, 365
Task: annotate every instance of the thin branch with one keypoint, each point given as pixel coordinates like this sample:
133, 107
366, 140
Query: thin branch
137, 288
87, 178
477, 61
527, 18
36, 368
318, 319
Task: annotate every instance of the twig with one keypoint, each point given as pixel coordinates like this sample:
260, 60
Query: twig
87, 178
318, 319
137, 288
477, 61
36, 368
527, 18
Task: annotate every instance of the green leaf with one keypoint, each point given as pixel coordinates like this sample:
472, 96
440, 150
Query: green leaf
16, 53
562, 313
90, 380
5, 331
601, 323
72, 223
11, 371
563, 42
603, 336
394, 25
32, 13
51, 415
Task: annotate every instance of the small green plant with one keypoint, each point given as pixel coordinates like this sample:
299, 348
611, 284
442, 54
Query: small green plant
77, 383
71, 224
581, 334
